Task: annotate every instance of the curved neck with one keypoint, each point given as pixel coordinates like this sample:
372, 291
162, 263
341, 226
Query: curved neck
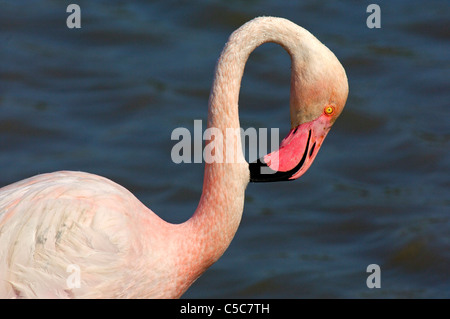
207, 234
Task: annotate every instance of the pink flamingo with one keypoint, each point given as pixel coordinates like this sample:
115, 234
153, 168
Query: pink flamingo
119, 247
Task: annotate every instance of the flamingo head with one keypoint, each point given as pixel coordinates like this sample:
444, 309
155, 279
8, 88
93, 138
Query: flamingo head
317, 100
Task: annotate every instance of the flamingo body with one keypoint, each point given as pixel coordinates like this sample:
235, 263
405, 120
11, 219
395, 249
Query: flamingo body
74, 218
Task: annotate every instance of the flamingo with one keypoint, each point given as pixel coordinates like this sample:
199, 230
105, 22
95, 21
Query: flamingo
119, 247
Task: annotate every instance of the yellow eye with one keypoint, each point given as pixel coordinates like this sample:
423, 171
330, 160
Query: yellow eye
329, 110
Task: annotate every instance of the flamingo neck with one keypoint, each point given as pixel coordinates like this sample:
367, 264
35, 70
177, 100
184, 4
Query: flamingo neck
208, 233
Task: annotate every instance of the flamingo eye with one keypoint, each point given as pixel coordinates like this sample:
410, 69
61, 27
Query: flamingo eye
329, 110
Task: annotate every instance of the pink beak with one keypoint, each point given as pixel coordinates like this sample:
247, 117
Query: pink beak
295, 155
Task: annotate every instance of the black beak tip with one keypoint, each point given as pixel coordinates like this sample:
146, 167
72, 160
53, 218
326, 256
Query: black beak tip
260, 172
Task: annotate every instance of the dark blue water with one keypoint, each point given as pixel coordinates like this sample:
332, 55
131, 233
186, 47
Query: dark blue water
105, 99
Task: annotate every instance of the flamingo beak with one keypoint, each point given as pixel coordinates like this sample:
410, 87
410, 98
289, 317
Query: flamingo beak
296, 153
